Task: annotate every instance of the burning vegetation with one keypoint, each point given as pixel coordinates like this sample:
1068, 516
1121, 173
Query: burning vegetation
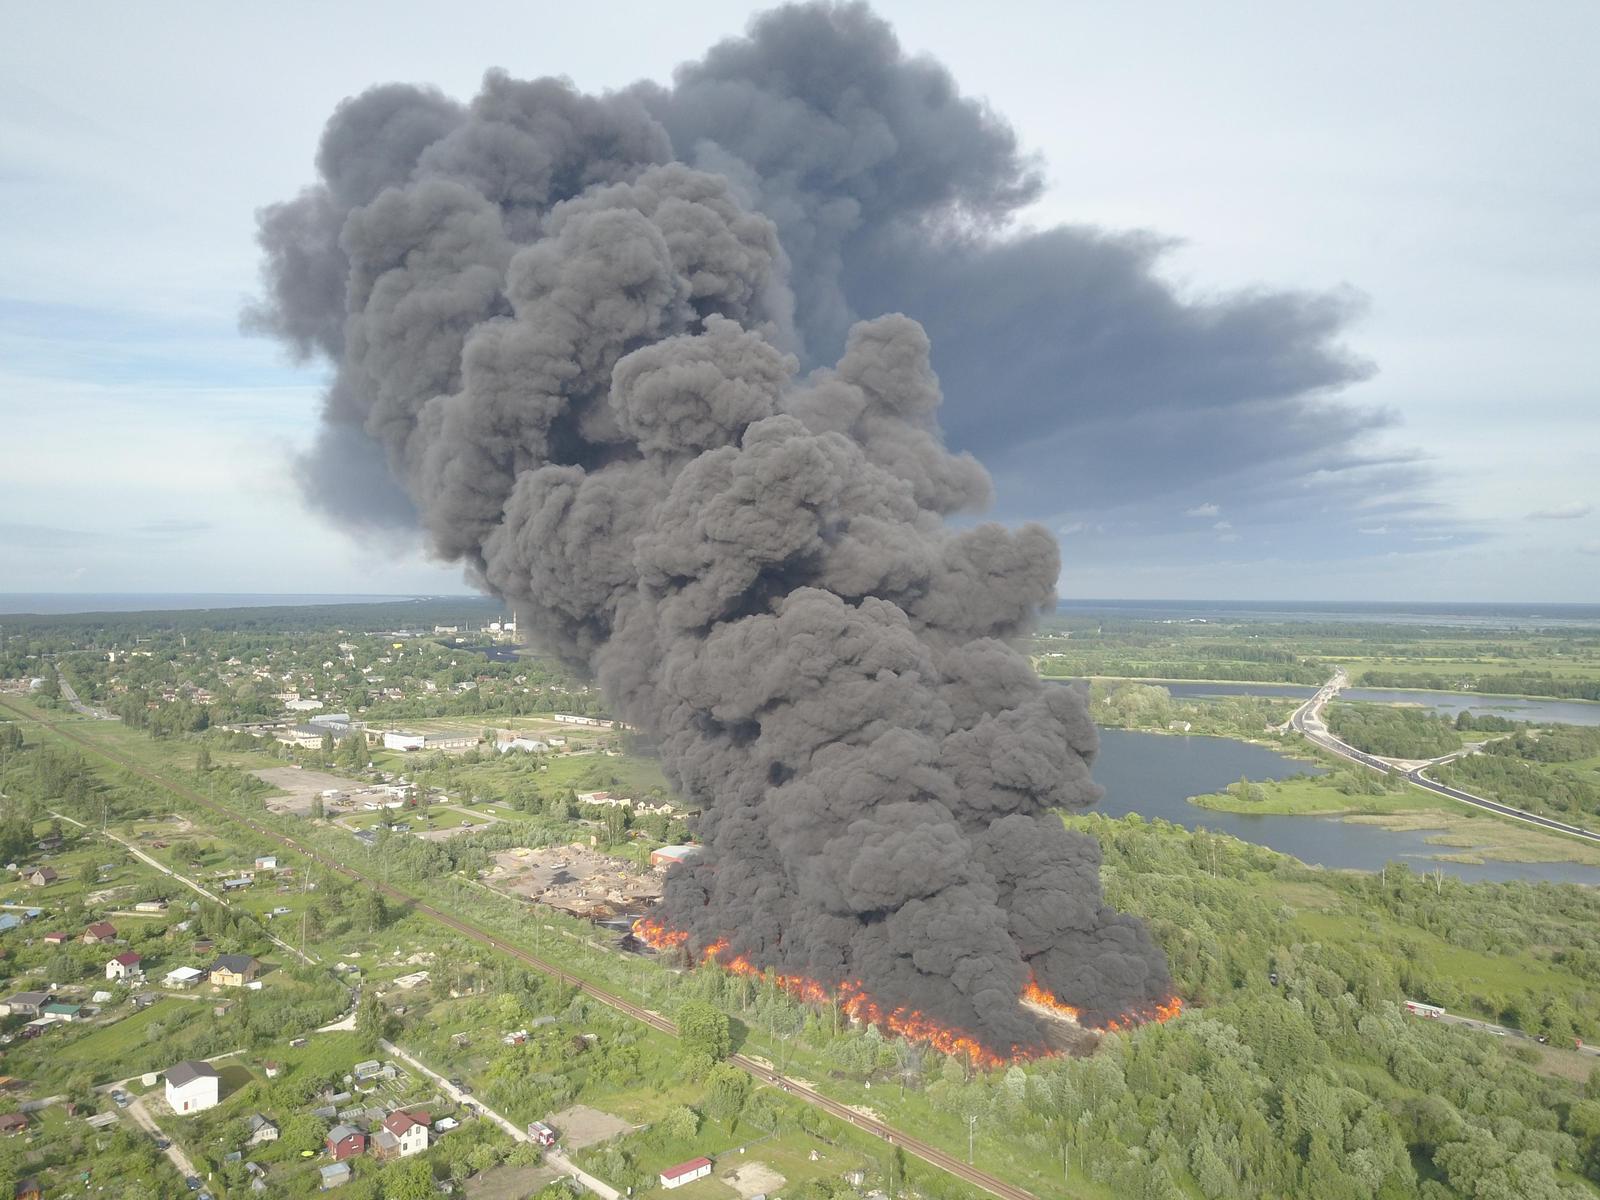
914, 1026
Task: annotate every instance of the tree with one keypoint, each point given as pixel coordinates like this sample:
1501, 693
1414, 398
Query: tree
704, 1030
202, 760
372, 1020
681, 1123
372, 912
302, 1132
409, 1180
727, 1088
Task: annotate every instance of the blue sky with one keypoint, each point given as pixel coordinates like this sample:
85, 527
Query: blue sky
1440, 163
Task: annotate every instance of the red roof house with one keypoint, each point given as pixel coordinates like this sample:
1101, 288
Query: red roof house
346, 1141
687, 1172
100, 931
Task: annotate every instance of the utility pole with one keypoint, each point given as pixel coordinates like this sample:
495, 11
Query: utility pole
972, 1123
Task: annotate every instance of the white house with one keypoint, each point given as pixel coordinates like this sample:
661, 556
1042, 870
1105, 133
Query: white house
402, 1136
182, 977
605, 799
192, 1086
262, 1129
695, 1168
123, 966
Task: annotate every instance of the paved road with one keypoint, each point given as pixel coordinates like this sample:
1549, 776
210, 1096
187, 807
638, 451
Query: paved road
1307, 720
895, 1137
78, 706
552, 1156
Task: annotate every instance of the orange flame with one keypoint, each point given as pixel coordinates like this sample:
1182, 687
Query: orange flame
1155, 1011
653, 933
901, 1021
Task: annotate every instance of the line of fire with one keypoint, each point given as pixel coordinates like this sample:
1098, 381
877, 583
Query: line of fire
1066, 1030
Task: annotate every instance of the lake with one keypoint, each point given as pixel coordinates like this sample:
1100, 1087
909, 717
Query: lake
1514, 708
1154, 774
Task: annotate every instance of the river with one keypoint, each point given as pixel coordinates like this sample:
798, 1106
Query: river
1514, 708
1154, 774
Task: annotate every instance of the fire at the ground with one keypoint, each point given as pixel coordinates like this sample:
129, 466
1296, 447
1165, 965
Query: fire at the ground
904, 1022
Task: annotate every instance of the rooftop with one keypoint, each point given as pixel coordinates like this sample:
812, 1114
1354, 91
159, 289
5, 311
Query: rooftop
189, 1070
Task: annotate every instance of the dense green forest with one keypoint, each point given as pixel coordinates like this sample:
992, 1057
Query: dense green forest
1552, 744
1561, 792
1392, 732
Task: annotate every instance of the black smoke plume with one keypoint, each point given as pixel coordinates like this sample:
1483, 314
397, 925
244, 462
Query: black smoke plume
571, 335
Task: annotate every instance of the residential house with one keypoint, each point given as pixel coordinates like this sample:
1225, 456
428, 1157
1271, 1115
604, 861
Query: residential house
234, 970
57, 938
13, 1123
42, 876
26, 1004
28, 1189
403, 1134
62, 1012
123, 966
334, 1174
266, 862
686, 1172
192, 1086
9, 921
100, 931
346, 1141
52, 842
262, 1129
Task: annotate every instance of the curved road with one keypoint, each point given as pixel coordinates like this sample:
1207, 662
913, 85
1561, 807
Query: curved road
1307, 720
928, 1153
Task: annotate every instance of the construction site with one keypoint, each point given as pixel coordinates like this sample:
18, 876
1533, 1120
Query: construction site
577, 880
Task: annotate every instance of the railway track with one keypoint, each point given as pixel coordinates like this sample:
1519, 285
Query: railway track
929, 1154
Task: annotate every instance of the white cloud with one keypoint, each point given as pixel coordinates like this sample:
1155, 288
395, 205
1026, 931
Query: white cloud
1591, 547
1562, 512
1071, 528
1375, 530
1223, 525
1202, 510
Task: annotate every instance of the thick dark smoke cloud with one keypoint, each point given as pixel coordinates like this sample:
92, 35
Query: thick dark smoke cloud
609, 353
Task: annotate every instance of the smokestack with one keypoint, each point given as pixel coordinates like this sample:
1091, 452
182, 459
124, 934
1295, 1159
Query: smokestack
578, 359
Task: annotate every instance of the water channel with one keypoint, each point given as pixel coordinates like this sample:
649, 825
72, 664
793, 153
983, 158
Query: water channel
1154, 774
